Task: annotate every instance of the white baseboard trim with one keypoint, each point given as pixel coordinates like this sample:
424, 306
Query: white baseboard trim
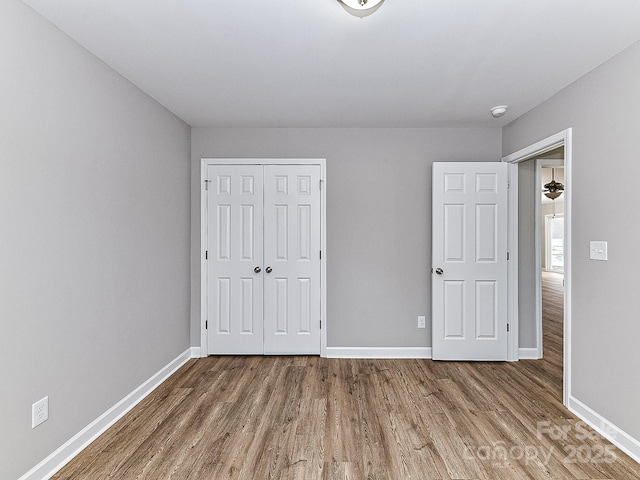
608, 430
64, 454
528, 354
378, 352
196, 352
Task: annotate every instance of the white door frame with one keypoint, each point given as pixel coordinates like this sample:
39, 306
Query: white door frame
561, 139
204, 162
538, 246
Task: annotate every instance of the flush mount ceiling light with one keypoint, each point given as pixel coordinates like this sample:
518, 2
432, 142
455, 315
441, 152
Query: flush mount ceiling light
361, 8
499, 111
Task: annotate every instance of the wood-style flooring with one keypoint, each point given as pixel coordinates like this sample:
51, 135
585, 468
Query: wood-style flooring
316, 418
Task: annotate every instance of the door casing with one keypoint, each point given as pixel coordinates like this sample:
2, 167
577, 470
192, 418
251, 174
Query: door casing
204, 163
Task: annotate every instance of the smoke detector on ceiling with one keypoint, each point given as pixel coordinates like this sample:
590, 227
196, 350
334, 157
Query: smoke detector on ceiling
499, 111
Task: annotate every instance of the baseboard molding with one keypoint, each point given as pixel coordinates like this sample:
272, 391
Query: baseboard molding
64, 454
608, 430
196, 352
528, 354
378, 352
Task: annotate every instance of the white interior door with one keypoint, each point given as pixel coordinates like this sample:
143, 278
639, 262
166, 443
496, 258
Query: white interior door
263, 259
469, 280
234, 266
292, 259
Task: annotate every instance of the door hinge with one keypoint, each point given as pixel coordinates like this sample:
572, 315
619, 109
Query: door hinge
206, 254
206, 324
320, 324
507, 256
320, 254
507, 327
206, 184
508, 185
321, 181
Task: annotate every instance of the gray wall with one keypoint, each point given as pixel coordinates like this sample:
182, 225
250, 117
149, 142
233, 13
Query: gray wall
603, 108
526, 255
378, 218
94, 235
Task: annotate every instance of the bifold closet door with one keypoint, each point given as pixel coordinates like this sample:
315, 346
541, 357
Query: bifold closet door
234, 266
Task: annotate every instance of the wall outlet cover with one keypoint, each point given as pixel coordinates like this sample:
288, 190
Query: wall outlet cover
39, 412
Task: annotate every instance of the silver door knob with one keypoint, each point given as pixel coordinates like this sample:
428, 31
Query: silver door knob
268, 269
257, 269
439, 271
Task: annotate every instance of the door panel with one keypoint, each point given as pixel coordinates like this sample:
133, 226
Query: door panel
469, 296
235, 291
292, 253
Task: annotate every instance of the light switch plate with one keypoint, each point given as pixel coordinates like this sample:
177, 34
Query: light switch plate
597, 250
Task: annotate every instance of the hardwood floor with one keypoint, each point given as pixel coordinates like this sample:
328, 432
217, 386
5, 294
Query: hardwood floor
552, 321
315, 418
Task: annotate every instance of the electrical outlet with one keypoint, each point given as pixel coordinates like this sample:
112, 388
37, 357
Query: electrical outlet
422, 321
39, 412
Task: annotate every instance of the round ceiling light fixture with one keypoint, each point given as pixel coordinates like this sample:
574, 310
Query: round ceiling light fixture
361, 8
499, 111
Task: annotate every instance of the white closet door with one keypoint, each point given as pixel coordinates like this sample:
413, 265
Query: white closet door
234, 267
292, 259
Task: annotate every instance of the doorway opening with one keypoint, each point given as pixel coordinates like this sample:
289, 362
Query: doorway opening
521, 288
549, 256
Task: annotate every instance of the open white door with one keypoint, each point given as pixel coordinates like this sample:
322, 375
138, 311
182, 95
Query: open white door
469, 260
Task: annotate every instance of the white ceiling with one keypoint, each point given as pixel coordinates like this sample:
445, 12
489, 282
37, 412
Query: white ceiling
308, 63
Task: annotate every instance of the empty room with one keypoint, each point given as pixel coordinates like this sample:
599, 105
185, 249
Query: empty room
328, 239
